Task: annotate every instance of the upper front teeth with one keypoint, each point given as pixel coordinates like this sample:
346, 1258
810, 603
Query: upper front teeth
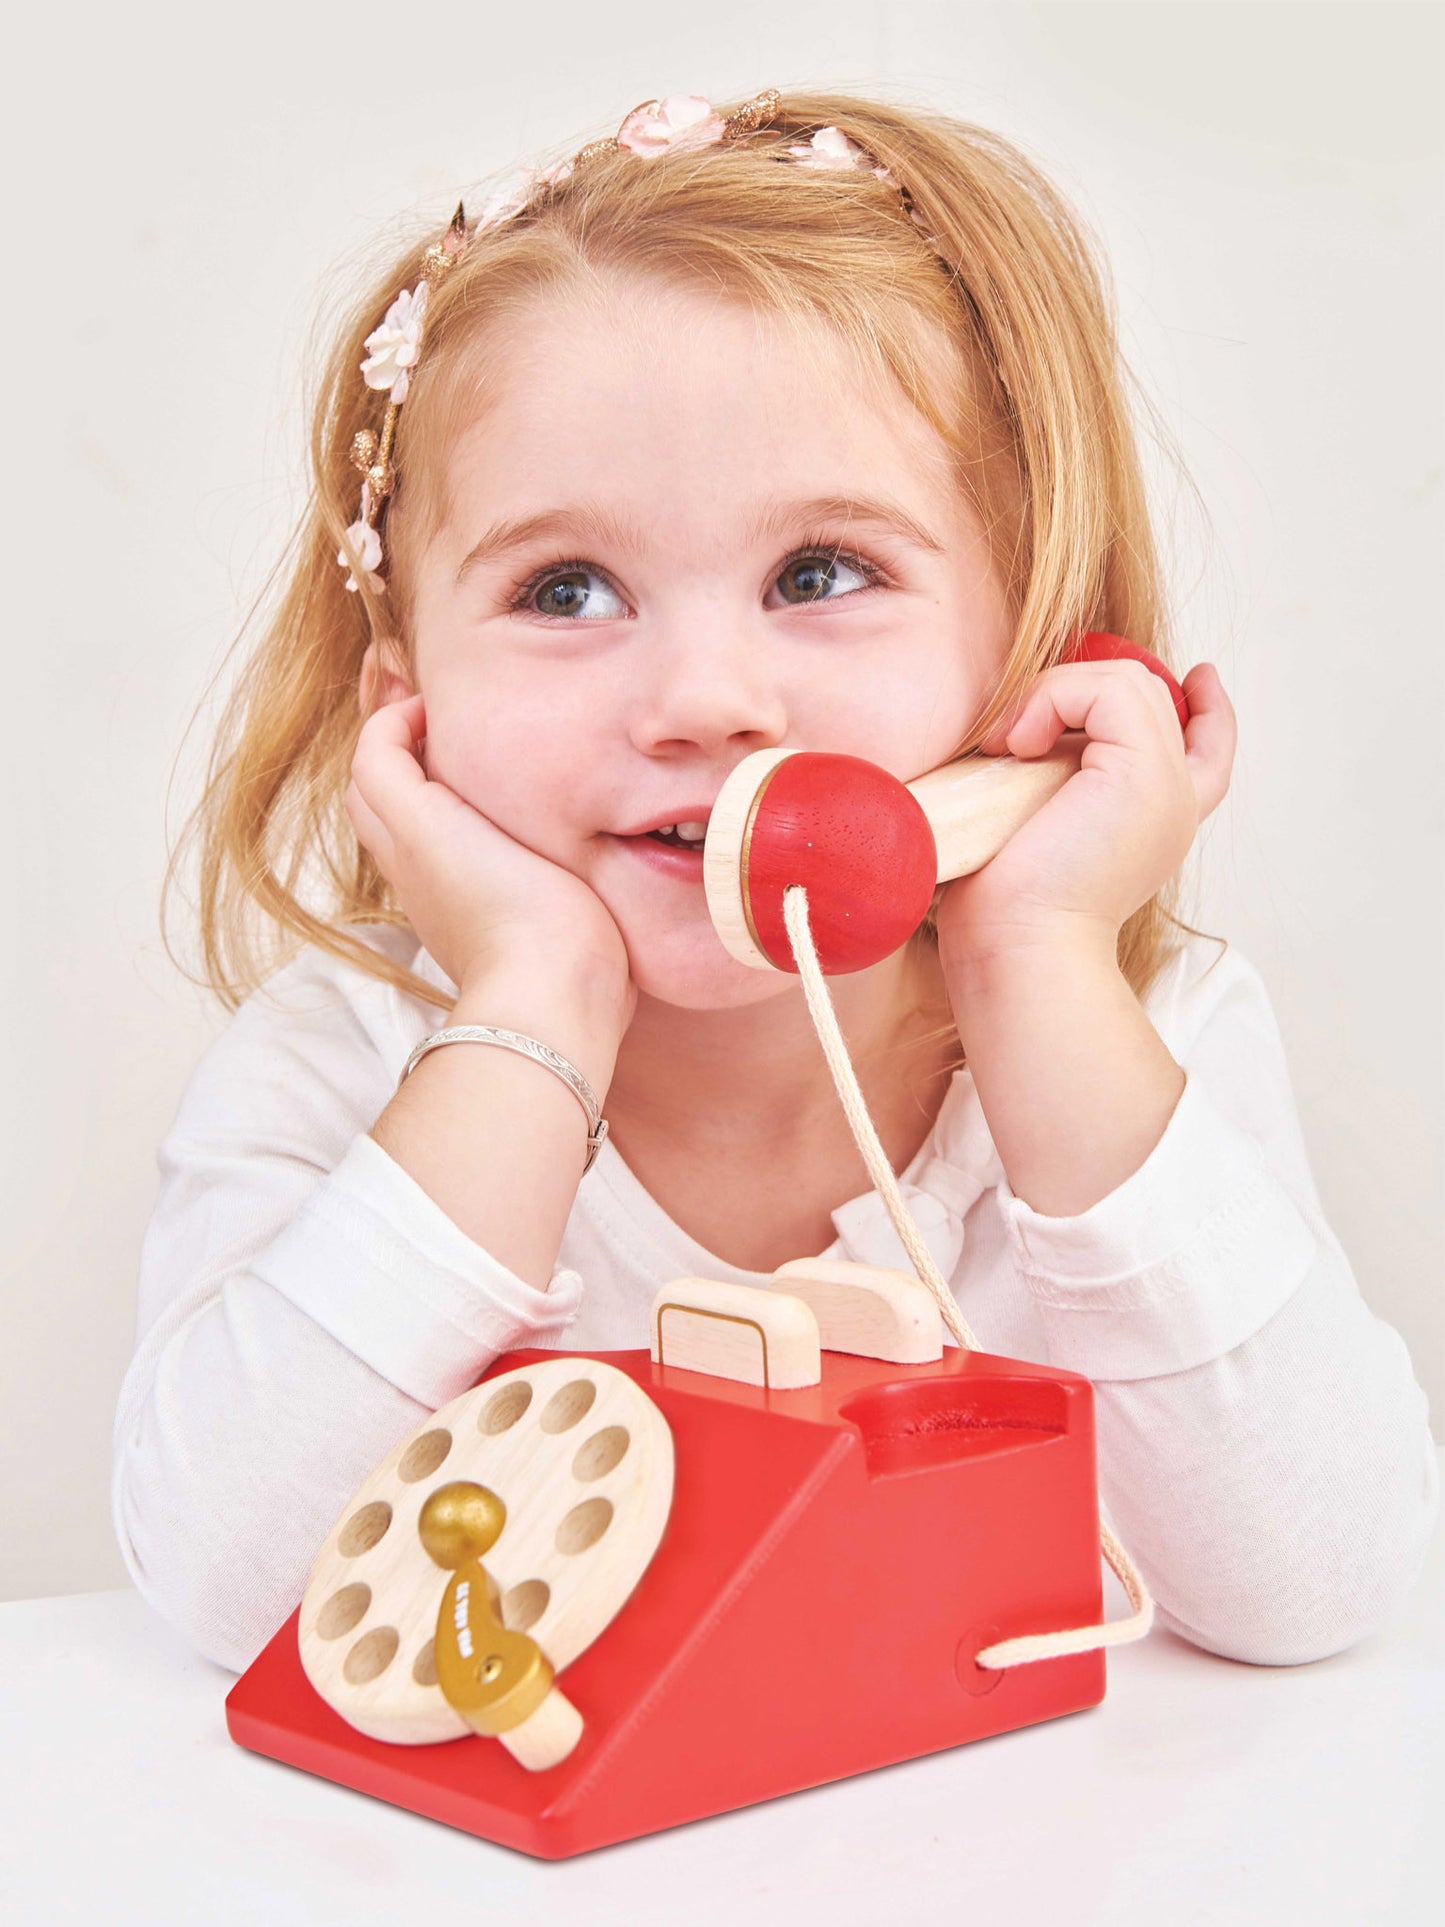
694, 832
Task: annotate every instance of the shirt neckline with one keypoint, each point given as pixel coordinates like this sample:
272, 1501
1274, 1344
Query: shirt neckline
677, 1248
959, 1124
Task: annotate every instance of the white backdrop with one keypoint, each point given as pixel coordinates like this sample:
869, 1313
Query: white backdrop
1267, 181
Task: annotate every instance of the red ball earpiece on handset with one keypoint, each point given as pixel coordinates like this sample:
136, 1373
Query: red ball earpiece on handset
870, 850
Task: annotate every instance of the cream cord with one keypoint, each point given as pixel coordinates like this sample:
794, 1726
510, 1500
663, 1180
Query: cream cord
1006, 1652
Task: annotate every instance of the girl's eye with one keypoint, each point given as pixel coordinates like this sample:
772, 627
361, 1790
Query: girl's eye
562, 590
576, 591
812, 575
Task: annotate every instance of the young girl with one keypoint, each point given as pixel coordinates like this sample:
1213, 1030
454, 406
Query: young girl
799, 423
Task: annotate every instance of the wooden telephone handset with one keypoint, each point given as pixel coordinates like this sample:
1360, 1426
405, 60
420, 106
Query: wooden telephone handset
870, 850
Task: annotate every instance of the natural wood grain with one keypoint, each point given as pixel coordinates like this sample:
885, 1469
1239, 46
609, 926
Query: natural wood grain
974, 805
871, 1310
556, 1463
757, 1336
723, 852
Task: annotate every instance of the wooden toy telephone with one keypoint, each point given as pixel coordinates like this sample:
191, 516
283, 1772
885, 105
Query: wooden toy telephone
793, 1539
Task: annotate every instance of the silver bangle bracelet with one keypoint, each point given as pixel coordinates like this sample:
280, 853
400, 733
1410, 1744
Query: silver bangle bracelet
528, 1047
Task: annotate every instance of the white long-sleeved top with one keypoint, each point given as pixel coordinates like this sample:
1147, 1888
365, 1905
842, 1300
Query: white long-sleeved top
1264, 1450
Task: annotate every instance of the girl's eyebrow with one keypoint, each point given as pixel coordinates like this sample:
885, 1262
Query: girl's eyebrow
596, 523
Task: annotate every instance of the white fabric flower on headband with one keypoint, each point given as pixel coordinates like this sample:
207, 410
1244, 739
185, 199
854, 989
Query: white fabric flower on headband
394, 346
366, 543
516, 193
509, 199
680, 121
831, 147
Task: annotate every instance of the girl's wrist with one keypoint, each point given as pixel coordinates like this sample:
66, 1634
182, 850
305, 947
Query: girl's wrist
1076, 1084
575, 1008
996, 992
1061, 944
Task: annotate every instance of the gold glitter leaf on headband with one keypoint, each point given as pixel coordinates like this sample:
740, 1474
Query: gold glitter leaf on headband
442, 256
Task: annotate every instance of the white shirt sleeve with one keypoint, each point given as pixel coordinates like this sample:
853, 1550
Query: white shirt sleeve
303, 1303
1264, 1449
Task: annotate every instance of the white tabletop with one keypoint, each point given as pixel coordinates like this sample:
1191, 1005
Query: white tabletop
1199, 1791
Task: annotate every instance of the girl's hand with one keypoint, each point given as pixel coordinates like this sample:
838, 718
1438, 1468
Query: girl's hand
473, 894
1117, 829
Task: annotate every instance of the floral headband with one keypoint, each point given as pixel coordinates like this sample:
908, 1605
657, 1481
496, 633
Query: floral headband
681, 122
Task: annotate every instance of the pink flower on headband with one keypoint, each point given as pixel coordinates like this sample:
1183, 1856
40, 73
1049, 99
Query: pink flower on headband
831, 147
681, 121
394, 346
366, 543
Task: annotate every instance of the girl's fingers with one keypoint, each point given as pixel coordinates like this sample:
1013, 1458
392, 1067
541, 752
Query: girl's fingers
1103, 699
399, 725
384, 766
368, 825
1210, 736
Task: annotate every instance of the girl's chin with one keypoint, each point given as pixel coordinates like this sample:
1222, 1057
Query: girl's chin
690, 982
688, 993
675, 954
689, 968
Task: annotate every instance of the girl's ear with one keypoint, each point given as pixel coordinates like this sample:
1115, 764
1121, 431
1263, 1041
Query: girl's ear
384, 677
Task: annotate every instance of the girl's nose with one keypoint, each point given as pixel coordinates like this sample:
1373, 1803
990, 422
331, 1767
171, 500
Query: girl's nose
706, 690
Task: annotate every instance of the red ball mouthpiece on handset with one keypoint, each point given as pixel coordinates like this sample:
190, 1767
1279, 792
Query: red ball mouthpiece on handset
870, 850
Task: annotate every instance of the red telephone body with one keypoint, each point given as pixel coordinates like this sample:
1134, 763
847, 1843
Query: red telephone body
833, 1559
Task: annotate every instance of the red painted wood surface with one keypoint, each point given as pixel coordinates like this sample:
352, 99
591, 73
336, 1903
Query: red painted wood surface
860, 844
833, 1559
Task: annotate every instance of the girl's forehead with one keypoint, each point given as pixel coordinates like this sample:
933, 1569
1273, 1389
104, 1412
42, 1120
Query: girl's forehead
647, 384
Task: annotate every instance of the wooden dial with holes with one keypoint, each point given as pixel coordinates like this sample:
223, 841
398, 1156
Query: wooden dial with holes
582, 1460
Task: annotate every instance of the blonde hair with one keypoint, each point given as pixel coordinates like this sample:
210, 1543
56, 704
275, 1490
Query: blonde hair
1033, 406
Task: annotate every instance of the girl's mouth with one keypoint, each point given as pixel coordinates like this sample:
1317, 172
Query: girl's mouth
666, 855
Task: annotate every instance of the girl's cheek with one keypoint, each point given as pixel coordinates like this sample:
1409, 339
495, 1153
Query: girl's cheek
460, 752
518, 770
